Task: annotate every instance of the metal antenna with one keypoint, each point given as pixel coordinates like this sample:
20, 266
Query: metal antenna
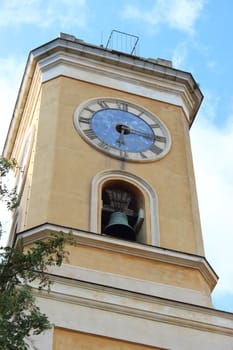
123, 42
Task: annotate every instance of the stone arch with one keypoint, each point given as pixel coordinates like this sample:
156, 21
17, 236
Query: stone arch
146, 204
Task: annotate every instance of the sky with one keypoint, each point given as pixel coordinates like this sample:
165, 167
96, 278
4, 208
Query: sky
197, 36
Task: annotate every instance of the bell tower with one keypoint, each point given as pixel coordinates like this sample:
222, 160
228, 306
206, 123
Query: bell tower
102, 140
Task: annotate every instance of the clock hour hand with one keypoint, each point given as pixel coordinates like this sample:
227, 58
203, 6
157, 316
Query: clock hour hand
141, 133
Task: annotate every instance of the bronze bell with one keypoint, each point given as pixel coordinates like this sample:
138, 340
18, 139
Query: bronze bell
118, 226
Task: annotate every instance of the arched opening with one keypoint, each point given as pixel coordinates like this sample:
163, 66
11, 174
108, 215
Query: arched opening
136, 197
122, 213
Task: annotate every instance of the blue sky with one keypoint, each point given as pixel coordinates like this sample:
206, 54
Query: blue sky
197, 36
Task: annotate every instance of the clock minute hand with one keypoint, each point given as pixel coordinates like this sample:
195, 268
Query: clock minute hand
121, 139
141, 133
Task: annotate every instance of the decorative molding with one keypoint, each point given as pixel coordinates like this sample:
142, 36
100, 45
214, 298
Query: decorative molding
132, 284
132, 248
117, 75
27, 99
76, 59
138, 305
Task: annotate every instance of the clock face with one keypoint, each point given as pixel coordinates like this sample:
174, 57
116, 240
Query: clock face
122, 130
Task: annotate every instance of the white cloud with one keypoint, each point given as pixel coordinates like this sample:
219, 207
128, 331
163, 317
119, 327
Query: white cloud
182, 14
212, 152
177, 14
212, 65
43, 13
180, 54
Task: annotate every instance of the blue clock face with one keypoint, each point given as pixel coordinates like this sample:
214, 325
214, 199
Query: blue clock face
122, 130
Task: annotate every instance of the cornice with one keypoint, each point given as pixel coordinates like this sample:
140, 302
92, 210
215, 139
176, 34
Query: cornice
139, 305
133, 248
72, 57
26, 101
146, 76
144, 82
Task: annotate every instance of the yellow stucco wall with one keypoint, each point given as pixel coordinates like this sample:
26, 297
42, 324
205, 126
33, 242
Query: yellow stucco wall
61, 191
71, 340
57, 190
137, 267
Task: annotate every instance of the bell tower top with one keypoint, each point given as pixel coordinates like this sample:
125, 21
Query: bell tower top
59, 56
131, 114
102, 138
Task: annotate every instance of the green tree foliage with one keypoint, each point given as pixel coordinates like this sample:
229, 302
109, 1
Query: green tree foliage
7, 196
20, 317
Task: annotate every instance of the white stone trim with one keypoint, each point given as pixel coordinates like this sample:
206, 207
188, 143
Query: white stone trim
135, 317
135, 303
116, 77
27, 99
75, 59
132, 284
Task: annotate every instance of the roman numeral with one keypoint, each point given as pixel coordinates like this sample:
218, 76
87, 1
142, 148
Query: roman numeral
123, 154
140, 114
143, 155
88, 109
122, 106
103, 145
155, 149
84, 120
160, 138
102, 104
90, 133
156, 125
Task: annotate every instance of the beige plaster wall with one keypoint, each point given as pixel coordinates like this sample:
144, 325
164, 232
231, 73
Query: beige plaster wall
71, 340
137, 267
61, 191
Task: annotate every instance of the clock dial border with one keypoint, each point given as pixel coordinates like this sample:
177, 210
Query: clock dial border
82, 121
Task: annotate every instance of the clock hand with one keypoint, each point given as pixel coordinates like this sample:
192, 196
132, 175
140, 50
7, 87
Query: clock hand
121, 139
141, 133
